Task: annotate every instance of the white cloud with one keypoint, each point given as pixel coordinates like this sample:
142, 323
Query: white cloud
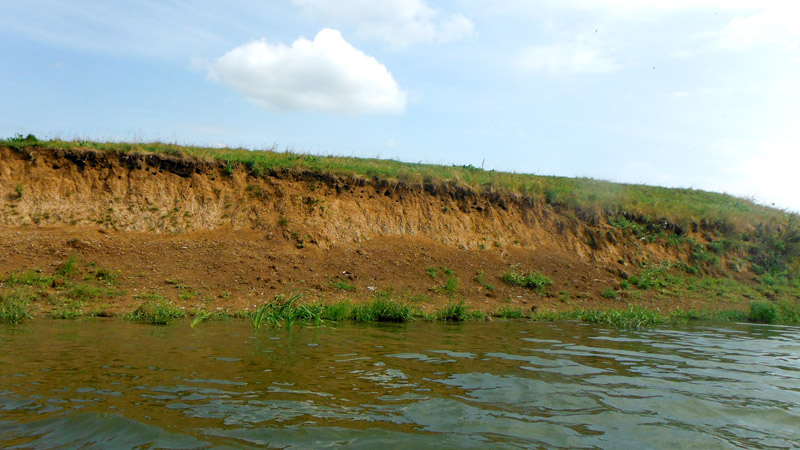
565, 58
326, 74
400, 23
776, 24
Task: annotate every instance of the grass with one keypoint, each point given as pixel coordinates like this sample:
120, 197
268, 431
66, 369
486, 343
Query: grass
69, 267
508, 312
155, 312
343, 285
531, 280
450, 284
454, 312
14, 306
480, 279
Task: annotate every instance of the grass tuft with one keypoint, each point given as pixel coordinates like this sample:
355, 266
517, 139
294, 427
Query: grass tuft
155, 312
531, 280
14, 306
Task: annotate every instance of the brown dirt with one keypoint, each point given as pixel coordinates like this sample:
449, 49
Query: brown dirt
240, 239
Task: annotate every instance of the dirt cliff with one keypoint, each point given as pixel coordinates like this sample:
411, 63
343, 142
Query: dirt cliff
236, 237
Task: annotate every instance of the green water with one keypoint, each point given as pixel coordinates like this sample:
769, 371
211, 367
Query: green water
112, 384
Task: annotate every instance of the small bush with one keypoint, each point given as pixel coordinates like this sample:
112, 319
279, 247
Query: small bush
762, 312
532, 280
155, 312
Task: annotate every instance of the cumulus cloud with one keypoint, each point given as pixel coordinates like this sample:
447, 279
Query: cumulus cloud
565, 58
400, 23
326, 74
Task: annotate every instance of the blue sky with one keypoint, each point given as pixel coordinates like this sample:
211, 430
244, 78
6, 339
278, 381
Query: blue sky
700, 93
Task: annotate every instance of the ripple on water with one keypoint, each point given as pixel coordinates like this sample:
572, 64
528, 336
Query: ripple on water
476, 385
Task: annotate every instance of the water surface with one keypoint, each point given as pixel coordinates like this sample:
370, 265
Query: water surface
113, 384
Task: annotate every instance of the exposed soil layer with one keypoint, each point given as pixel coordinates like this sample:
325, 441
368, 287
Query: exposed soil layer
234, 238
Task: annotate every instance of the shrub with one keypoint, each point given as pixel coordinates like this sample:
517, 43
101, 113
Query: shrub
762, 312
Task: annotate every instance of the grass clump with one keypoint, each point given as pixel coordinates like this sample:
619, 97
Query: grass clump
343, 285
14, 307
30, 277
454, 312
155, 312
774, 313
532, 280
608, 292
382, 309
480, 279
633, 317
508, 312
69, 267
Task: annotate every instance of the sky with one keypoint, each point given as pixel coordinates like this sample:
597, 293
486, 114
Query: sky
700, 94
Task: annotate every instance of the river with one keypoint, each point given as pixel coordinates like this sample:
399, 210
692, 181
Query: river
107, 383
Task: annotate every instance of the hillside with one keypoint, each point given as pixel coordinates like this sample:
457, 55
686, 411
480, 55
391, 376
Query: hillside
223, 229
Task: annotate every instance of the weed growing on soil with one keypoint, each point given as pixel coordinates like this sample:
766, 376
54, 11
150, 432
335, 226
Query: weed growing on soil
508, 312
382, 309
454, 311
67, 309
633, 317
29, 278
532, 280
608, 292
479, 278
14, 307
155, 312
450, 284
774, 313
69, 267
343, 285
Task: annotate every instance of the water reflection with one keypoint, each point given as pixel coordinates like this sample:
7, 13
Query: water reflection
491, 385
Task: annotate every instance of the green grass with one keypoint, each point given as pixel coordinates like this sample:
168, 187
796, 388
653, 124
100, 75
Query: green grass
69, 267
608, 292
531, 280
29, 278
480, 278
454, 312
85, 292
155, 312
382, 309
14, 306
343, 285
508, 312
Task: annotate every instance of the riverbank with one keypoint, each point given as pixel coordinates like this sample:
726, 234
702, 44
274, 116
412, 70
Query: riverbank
100, 229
